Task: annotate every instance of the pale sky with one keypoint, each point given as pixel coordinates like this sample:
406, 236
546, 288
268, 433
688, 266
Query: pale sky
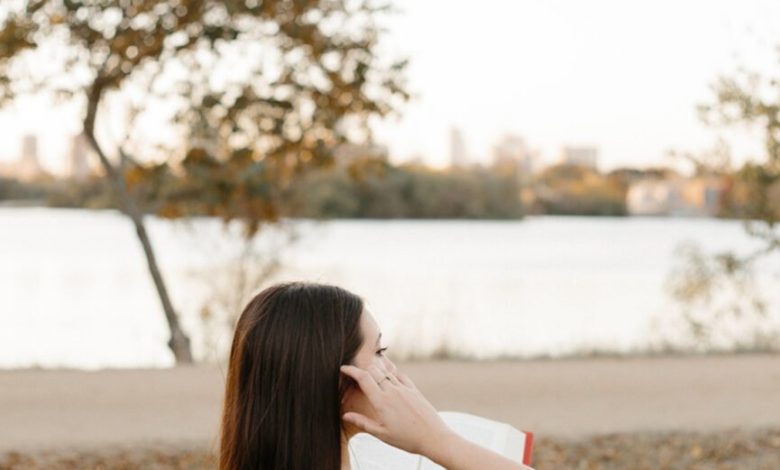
624, 76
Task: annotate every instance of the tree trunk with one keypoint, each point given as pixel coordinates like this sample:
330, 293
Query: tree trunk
179, 343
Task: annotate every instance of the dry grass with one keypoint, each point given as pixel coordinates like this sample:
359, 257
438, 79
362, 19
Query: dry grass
731, 450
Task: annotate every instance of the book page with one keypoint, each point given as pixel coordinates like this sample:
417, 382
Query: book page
370, 453
492, 435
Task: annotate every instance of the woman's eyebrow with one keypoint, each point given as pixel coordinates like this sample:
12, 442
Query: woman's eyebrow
378, 338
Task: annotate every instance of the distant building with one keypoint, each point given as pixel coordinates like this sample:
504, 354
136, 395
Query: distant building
652, 197
513, 152
580, 156
28, 166
30, 148
704, 195
697, 197
458, 156
79, 167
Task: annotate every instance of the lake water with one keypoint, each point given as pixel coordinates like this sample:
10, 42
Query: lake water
74, 290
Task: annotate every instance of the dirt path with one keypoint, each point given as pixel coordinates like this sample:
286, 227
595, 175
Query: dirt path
565, 398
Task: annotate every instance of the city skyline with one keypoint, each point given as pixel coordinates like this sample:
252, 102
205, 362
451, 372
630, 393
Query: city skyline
556, 74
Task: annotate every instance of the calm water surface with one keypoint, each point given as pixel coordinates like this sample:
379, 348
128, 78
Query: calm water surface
74, 290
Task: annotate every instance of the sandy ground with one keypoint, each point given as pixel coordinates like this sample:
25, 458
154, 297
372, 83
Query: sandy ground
569, 399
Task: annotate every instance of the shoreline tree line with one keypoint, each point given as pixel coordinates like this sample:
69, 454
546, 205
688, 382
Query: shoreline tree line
373, 188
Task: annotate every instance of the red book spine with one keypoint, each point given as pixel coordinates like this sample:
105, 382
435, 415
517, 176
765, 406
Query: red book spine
529, 447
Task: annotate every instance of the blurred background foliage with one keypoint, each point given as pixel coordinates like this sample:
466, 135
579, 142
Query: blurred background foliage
255, 92
720, 290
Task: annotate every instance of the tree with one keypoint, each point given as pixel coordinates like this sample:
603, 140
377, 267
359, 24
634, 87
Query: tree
745, 100
307, 78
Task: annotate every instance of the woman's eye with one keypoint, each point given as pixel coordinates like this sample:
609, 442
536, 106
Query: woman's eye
381, 351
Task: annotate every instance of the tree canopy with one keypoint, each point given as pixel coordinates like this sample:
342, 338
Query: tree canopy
256, 91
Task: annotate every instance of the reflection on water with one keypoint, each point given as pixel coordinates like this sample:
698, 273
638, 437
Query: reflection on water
74, 289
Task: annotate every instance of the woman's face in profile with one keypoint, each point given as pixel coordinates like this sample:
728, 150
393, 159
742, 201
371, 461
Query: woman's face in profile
371, 353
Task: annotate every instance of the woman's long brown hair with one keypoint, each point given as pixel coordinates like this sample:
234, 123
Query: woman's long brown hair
282, 405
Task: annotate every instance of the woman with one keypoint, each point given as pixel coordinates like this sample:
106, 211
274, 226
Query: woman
307, 372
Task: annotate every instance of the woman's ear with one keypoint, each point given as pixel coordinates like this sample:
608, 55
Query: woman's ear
346, 385
347, 389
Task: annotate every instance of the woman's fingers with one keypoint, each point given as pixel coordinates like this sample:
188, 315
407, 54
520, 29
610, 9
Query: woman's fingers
377, 374
363, 423
393, 379
366, 382
386, 372
383, 376
404, 418
405, 380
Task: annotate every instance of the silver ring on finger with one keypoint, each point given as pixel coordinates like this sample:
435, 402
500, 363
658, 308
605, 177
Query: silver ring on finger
377, 375
387, 377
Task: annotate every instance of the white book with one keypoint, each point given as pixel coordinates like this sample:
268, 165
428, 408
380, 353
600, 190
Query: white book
369, 453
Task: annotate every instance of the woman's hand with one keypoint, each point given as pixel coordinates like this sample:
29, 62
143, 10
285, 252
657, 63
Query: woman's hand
405, 419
